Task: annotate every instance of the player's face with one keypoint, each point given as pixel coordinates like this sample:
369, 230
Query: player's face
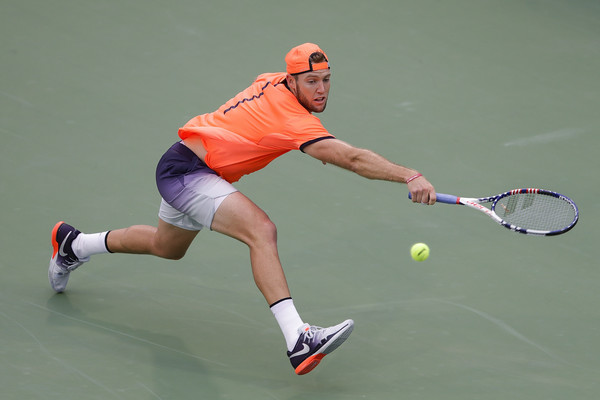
312, 89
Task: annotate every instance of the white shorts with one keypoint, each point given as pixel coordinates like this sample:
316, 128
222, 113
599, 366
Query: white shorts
194, 222
191, 192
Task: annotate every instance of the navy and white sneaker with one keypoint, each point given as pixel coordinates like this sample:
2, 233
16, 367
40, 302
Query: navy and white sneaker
63, 259
315, 343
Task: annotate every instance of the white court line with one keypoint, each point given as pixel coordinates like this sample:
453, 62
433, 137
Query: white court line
45, 350
510, 330
561, 134
129, 336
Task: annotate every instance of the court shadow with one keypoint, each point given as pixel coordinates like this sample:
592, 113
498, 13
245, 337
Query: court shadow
177, 372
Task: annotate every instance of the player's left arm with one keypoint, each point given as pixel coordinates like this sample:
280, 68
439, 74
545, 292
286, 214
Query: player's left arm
371, 165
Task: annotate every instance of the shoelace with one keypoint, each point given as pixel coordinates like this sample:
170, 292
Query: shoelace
70, 264
310, 332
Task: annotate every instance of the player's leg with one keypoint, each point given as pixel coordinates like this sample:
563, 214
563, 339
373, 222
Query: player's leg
71, 248
165, 241
240, 218
190, 193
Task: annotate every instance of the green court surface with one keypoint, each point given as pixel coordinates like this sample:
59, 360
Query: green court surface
480, 96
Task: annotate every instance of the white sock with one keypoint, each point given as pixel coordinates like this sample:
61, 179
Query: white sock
289, 321
88, 244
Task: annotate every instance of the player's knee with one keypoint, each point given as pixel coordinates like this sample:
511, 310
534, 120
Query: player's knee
265, 231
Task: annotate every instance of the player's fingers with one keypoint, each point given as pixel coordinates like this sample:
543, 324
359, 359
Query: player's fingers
417, 196
423, 197
413, 196
432, 198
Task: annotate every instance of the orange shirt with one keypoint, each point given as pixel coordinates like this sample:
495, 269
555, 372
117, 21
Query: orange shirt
258, 125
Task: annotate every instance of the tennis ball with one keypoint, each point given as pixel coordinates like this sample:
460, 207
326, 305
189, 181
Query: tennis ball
419, 251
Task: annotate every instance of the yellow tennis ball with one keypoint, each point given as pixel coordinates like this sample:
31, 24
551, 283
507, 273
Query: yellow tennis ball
419, 251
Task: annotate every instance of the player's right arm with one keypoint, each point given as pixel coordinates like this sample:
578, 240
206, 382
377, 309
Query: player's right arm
371, 165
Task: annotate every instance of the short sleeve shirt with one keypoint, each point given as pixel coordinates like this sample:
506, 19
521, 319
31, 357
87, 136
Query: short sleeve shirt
258, 125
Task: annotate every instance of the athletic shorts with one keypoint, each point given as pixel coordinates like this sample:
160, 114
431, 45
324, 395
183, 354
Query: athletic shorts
191, 192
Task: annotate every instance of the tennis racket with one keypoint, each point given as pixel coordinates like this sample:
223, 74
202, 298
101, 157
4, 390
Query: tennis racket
529, 211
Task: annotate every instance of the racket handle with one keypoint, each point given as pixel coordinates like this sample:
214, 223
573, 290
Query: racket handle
443, 198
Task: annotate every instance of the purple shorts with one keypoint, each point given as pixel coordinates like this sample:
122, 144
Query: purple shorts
191, 192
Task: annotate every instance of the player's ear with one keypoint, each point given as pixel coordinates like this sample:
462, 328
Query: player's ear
291, 83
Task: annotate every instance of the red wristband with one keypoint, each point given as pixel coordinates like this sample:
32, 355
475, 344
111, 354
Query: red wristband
412, 178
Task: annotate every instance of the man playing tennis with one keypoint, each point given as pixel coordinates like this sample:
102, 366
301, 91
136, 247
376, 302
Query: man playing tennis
194, 177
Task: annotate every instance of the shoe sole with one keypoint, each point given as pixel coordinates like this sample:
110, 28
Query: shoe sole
55, 244
311, 362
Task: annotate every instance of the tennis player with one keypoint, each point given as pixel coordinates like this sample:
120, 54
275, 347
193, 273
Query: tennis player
194, 177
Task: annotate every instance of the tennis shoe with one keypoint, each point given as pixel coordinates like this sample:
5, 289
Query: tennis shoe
63, 259
315, 343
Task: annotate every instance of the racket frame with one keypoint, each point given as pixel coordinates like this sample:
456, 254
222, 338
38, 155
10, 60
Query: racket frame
477, 203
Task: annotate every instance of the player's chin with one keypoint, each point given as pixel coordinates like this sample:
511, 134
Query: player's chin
319, 106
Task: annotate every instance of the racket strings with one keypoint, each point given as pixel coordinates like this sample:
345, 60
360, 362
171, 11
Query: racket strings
535, 211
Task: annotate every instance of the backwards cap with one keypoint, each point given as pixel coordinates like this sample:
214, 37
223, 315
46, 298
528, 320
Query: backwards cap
298, 59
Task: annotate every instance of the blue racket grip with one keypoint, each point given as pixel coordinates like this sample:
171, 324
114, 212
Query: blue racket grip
443, 198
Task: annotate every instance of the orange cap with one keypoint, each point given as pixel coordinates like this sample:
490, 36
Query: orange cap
298, 59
